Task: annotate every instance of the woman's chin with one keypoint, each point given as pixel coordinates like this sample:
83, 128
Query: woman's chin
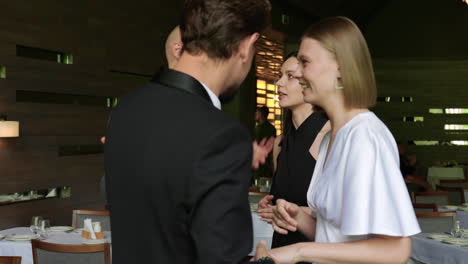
309, 99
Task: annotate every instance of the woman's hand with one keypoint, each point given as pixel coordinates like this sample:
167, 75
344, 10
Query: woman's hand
285, 255
262, 252
285, 216
265, 208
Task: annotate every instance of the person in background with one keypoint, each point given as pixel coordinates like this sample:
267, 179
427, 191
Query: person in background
264, 132
173, 47
178, 189
263, 129
360, 211
295, 150
408, 168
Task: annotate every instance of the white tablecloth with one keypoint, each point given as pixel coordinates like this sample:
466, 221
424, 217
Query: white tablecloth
262, 231
434, 252
435, 174
24, 249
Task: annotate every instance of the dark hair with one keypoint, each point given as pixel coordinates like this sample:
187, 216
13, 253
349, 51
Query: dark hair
216, 27
264, 111
292, 54
287, 114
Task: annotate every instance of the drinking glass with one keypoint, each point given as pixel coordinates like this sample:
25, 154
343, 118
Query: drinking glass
44, 229
456, 230
35, 221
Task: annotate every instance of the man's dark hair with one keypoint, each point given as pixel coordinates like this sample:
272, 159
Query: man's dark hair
216, 27
264, 111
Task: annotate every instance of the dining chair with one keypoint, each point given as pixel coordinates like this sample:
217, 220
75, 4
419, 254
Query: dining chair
103, 216
456, 194
440, 198
436, 222
10, 260
425, 207
50, 253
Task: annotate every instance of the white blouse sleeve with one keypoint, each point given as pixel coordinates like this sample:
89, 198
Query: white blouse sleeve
375, 198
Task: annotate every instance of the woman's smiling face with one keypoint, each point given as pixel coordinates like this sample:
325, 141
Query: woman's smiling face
317, 72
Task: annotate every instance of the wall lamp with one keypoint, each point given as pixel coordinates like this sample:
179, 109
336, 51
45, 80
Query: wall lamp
8, 128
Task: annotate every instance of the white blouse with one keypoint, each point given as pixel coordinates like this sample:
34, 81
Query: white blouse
360, 190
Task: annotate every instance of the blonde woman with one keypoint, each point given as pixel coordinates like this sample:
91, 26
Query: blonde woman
361, 211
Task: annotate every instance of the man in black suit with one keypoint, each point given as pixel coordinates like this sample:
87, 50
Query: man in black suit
177, 168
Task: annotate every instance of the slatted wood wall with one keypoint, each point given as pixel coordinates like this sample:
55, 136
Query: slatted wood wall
431, 84
420, 51
102, 36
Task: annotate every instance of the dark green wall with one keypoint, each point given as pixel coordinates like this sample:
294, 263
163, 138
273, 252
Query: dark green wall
420, 29
420, 49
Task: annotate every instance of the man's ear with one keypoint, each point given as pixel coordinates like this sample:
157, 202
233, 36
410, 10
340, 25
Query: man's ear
176, 49
246, 46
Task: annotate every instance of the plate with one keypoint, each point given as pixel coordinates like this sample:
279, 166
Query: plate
20, 237
78, 230
456, 241
439, 237
60, 228
93, 241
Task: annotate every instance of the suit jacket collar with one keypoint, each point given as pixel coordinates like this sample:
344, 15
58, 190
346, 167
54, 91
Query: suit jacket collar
181, 81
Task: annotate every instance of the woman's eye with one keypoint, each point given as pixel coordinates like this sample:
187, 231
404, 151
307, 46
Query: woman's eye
290, 76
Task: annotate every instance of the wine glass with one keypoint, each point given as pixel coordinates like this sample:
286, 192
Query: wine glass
44, 229
35, 220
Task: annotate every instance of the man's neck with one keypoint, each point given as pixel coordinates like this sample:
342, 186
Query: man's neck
205, 70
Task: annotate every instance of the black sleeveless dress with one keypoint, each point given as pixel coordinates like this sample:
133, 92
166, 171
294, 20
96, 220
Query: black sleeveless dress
294, 170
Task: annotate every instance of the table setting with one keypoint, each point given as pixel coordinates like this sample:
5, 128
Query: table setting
17, 241
461, 211
447, 247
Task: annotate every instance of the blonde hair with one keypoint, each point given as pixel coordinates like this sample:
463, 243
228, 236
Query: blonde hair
343, 39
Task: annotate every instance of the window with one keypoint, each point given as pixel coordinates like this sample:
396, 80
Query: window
268, 62
44, 54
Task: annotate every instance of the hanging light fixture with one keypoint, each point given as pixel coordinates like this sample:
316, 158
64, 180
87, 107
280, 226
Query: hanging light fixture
8, 128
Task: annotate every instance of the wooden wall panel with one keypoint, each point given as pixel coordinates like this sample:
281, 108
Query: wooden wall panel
433, 83
102, 36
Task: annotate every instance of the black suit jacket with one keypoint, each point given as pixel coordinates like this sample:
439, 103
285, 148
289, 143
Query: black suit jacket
177, 174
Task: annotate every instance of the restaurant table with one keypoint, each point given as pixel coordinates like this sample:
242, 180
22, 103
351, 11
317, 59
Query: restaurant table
435, 252
24, 248
462, 215
262, 231
435, 174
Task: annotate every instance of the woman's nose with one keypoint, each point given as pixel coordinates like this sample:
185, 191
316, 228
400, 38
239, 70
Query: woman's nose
280, 82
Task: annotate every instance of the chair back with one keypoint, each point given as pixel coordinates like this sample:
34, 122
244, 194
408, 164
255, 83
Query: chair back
438, 198
10, 260
103, 216
422, 207
456, 194
436, 222
49, 253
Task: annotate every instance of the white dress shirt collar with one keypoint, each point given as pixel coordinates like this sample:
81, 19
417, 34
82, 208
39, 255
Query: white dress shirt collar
213, 97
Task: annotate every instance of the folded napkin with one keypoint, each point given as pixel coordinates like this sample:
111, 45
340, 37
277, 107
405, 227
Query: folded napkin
462, 242
439, 237
88, 226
